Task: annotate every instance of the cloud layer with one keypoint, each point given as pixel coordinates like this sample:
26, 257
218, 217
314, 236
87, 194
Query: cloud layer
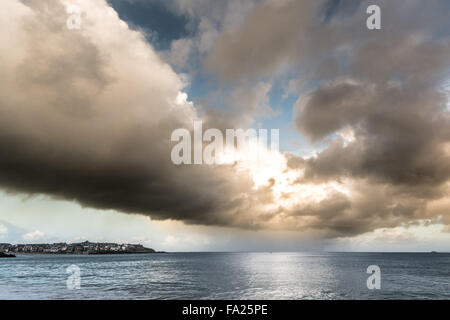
86, 115
375, 98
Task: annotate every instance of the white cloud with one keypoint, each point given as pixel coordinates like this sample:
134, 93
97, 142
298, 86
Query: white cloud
33, 235
3, 230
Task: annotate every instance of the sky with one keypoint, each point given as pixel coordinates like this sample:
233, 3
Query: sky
87, 114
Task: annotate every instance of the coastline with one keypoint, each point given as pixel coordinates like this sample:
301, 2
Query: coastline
83, 254
82, 248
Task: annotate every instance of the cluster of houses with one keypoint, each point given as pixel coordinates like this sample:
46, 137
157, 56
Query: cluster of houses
75, 248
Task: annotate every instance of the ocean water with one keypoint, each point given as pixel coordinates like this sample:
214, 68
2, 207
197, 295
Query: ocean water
227, 276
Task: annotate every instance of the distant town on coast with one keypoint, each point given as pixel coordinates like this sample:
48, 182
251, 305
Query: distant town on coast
75, 248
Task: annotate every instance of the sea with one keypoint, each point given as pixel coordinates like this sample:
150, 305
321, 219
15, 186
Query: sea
243, 275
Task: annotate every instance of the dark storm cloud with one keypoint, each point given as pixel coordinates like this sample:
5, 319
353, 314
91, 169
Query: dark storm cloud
86, 119
392, 103
399, 133
381, 90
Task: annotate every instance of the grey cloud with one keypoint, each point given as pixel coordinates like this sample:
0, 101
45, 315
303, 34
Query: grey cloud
383, 86
236, 108
398, 133
332, 107
273, 35
84, 118
278, 36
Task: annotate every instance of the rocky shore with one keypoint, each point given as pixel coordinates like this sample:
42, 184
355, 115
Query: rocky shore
7, 255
